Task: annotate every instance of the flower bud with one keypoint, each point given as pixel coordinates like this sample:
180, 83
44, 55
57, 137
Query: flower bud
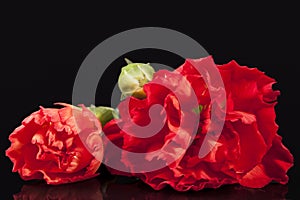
132, 78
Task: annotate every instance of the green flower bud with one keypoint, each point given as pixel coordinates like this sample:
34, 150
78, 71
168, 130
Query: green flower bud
132, 78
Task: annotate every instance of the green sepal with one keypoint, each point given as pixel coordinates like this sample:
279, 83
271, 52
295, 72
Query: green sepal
104, 114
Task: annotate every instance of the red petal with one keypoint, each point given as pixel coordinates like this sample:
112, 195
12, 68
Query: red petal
277, 161
274, 166
252, 146
266, 123
256, 178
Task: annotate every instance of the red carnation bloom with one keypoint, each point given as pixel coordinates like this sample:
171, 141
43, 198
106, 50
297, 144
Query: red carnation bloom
249, 151
58, 145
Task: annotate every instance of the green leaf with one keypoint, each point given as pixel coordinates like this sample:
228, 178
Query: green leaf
198, 109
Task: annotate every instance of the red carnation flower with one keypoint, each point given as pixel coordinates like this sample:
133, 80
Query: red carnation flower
58, 145
249, 151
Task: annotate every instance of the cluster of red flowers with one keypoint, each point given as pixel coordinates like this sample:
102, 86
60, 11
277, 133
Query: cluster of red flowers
65, 145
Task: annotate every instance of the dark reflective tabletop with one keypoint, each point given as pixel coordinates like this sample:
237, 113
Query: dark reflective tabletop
129, 188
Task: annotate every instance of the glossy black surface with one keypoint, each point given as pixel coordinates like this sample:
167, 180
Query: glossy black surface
126, 188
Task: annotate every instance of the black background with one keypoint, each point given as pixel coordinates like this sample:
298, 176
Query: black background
43, 46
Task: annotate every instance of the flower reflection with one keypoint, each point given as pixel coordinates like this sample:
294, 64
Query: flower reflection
138, 190
128, 188
89, 190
